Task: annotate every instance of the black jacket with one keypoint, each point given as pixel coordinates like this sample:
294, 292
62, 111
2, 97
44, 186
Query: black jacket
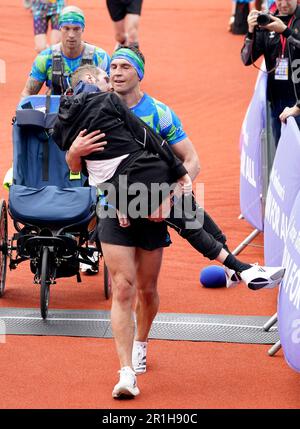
268, 44
124, 132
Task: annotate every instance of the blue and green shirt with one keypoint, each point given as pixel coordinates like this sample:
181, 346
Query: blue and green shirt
42, 66
161, 118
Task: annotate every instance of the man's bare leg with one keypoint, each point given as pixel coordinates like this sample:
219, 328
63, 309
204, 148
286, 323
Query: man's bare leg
120, 261
132, 26
55, 36
40, 42
148, 267
120, 33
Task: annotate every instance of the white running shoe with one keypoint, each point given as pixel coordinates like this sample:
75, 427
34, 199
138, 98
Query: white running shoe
139, 356
90, 269
232, 278
127, 387
258, 277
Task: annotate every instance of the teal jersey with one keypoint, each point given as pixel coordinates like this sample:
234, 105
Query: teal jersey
161, 118
47, 7
42, 66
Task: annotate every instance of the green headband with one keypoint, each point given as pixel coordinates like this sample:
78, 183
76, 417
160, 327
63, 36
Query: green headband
130, 56
71, 18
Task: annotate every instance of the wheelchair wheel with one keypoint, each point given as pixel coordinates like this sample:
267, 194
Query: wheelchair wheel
3, 245
107, 282
45, 282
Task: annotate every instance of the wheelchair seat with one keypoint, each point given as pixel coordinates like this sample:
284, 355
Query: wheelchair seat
44, 192
51, 205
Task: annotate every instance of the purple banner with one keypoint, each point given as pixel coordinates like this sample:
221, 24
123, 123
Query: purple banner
289, 292
251, 179
283, 188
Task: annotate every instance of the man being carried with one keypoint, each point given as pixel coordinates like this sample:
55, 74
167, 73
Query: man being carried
124, 247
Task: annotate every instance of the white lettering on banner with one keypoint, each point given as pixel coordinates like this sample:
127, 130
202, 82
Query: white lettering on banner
296, 332
279, 188
245, 135
297, 243
292, 231
292, 279
284, 225
272, 213
247, 168
275, 217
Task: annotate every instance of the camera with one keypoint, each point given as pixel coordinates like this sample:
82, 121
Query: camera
263, 19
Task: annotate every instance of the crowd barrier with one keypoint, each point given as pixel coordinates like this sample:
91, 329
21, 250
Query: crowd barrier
270, 202
284, 186
289, 291
282, 238
252, 142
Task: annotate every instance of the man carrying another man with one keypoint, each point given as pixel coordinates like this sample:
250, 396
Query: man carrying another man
134, 268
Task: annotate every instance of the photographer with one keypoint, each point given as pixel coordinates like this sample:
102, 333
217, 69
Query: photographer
275, 41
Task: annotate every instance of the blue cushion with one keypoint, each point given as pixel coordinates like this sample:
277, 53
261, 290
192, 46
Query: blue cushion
51, 204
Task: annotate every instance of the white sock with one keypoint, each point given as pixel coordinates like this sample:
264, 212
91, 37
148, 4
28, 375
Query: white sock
144, 344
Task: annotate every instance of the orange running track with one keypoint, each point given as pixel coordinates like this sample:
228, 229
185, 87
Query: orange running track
193, 65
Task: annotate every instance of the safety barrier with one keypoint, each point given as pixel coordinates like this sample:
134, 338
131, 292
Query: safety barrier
270, 202
289, 292
252, 142
283, 188
279, 230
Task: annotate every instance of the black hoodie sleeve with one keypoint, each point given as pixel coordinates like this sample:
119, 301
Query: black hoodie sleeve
148, 138
254, 47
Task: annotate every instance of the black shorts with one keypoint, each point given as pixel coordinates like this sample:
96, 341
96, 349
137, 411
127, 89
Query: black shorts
143, 167
143, 175
141, 233
118, 9
41, 22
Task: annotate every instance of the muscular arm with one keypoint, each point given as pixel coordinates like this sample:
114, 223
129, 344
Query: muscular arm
83, 145
186, 152
73, 161
32, 87
151, 141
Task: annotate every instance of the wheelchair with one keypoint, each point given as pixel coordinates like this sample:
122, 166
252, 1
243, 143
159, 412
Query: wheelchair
53, 211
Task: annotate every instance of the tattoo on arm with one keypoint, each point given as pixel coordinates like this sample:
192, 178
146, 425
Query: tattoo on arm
32, 87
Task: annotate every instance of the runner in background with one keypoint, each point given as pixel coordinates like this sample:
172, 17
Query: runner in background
125, 15
44, 12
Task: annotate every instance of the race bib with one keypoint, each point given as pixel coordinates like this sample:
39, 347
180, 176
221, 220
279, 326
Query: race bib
282, 69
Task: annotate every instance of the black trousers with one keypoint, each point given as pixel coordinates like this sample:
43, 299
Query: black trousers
192, 223
277, 106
